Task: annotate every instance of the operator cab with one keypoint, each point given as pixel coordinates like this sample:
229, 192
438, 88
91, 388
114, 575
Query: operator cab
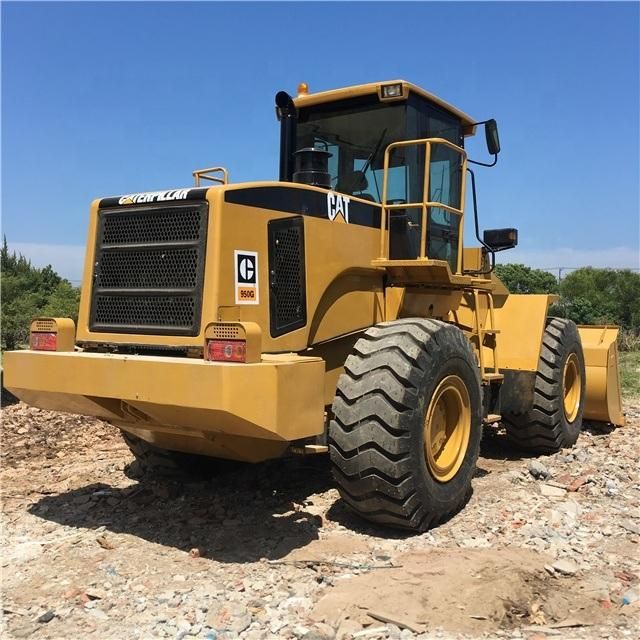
355, 126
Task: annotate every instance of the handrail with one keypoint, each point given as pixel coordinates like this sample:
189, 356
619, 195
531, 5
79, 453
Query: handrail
425, 204
202, 174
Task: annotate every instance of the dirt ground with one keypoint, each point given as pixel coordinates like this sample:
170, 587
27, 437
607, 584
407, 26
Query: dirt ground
547, 547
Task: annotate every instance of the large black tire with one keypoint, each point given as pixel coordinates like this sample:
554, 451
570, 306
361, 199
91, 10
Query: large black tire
376, 435
154, 460
547, 427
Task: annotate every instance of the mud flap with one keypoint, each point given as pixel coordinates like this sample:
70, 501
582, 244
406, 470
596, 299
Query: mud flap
602, 400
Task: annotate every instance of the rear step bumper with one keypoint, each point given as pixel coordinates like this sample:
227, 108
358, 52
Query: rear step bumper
275, 401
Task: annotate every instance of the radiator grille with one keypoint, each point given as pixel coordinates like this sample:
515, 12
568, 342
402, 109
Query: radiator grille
151, 311
287, 299
169, 224
149, 270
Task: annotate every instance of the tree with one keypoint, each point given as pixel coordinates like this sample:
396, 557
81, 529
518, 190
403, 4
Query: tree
602, 296
28, 292
519, 278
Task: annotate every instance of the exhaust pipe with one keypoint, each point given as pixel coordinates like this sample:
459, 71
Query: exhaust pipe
288, 117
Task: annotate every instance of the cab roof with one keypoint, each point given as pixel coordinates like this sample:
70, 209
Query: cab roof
309, 99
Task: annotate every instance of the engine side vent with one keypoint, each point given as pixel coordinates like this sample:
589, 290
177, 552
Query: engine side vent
149, 269
287, 275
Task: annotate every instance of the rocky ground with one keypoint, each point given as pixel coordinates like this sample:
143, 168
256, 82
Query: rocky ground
547, 547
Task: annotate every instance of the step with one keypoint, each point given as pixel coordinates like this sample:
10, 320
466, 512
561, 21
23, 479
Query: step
491, 418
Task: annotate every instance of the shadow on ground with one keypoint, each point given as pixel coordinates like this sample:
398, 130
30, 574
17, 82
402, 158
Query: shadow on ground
243, 515
495, 445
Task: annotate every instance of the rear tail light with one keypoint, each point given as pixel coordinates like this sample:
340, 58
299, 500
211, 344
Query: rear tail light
43, 341
52, 334
227, 350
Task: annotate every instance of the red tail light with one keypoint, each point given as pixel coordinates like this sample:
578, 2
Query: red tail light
227, 350
41, 341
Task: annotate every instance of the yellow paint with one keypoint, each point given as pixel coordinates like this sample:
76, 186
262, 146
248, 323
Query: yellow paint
279, 398
447, 428
602, 397
373, 88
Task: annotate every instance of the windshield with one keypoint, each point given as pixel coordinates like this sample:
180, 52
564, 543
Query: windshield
357, 131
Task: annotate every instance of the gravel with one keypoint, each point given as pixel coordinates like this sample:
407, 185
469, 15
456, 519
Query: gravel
545, 547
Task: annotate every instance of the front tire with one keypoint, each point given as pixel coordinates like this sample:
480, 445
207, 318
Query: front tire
554, 420
406, 427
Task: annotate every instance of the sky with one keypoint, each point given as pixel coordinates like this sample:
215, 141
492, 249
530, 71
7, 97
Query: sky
110, 98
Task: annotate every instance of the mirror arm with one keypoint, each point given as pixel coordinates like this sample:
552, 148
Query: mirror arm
477, 227
485, 164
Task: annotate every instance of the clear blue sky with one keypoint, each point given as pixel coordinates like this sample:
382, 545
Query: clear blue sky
103, 99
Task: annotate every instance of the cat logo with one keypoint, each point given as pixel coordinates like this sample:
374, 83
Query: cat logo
337, 205
246, 271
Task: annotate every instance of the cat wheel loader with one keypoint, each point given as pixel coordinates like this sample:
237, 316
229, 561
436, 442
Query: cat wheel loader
335, 310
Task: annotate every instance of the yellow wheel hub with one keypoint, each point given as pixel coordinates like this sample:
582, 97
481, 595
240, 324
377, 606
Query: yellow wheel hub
447, 428
571, 387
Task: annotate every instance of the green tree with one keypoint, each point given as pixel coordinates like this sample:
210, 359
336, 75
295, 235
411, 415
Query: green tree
602, 296
519, 278
28, 292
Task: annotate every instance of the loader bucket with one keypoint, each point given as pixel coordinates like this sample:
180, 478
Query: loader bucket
602, 401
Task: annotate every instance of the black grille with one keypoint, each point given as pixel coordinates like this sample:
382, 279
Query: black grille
170, 224
149, 270
155, 312
287, 293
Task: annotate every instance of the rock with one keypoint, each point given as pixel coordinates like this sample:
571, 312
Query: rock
552, 492
320, 631
347, 628
538, 470
565, 567
630, 526
48, 616
240, 621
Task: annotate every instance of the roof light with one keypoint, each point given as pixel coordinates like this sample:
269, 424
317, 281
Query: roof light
303, 89
391, 91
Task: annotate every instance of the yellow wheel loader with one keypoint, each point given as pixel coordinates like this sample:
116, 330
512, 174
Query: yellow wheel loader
335, 310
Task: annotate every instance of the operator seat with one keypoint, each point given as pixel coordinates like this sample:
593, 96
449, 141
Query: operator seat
354, 184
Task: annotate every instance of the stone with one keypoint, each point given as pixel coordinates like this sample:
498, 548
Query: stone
320, 631
48, 616
565, 567
538, 470
552, 492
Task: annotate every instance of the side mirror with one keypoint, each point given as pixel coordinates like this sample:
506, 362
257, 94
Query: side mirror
491, 134
500, 239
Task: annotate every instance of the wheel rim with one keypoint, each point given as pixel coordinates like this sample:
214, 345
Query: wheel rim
447, 427
571, 387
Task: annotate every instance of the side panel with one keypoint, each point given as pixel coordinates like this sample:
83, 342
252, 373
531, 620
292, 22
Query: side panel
343, 292
521, 321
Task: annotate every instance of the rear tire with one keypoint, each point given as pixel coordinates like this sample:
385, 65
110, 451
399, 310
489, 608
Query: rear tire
554, 420
157, 461
406, 427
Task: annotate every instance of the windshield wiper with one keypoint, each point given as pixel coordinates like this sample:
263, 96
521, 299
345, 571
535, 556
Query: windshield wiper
370, 160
